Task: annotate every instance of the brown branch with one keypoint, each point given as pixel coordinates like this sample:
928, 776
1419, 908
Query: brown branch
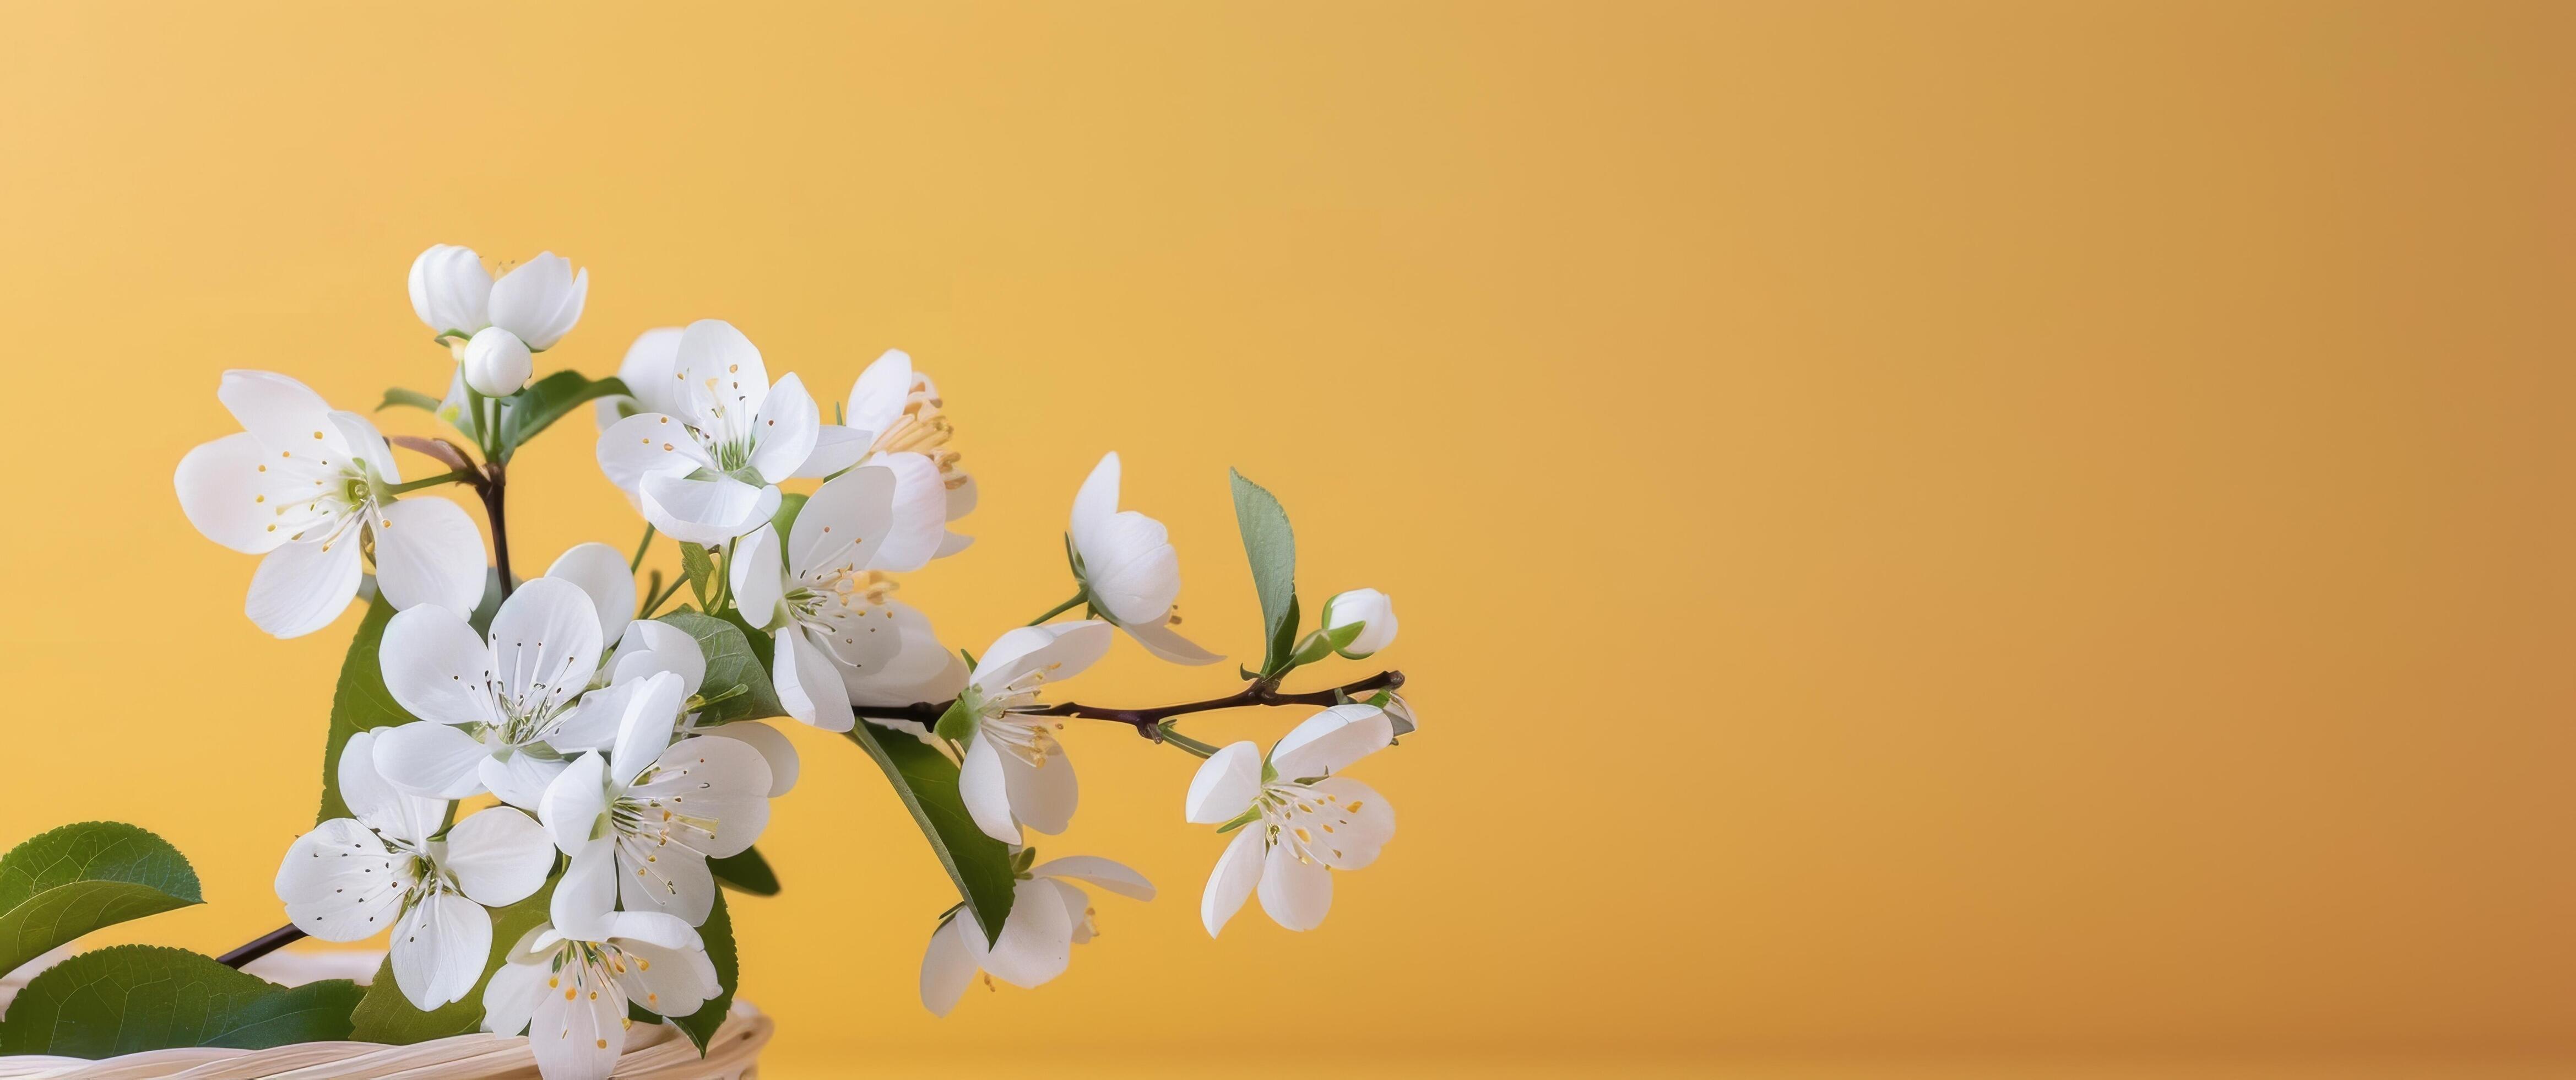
1148, 722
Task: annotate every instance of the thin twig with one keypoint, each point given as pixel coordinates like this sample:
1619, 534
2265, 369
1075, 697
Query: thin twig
1148, 722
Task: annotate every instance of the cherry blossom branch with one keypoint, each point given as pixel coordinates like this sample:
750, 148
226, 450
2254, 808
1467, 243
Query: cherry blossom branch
1148, 722
261, 946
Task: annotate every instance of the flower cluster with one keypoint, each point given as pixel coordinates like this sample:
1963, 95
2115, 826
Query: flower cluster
584, 756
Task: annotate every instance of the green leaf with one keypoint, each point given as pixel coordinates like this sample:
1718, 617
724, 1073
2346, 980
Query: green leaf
384, 1015
958, 723
784, 520
701, 1025
78, 878
700, 568
131, 998
926, 781
413, 398
1272, 548
746, 872
359, 704
530, 411
732, 661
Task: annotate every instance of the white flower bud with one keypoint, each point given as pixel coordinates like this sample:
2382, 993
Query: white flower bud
1367, 606
541, 300
450, 289
497, 363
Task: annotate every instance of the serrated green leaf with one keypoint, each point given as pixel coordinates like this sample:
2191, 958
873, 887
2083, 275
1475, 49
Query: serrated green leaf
733, 660
717, 932
384, 1015
62, 884
1272, 548
413, 398
746, 872
359, 703
532, 410
131, 998
926, 781
700, 568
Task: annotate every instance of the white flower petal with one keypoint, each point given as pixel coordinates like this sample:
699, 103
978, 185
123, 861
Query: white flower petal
719, 373
301, 587
660, 647
1096, 502
1036, 942
540, 300
770, 743
878, 396
885, 515
1106, 873
428, 552
231, 497
647, 444
1224, 786
1295, 894
285, 415
1168, 645
586, 894
572, 806
724, 780
340, 882
436, 666
1043, 797
511, 997
710, 512
450, 288
649, 369
579, 1035
600, 572
669, 981
786, 428
545, 643
499, 856
835, 448
807, 683
758, 577
438, 949
1231, 882
652, 716
1329, 741
987, 792
1132, 568
431, 759
521, 780
1063, 650
947, 966
378, 803
1349, 830
673, 882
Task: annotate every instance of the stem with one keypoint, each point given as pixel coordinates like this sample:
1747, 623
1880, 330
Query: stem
1059, 609
496, 479
637, 563
654, 603
261, 946
455, 476
1148, 722
1195, 748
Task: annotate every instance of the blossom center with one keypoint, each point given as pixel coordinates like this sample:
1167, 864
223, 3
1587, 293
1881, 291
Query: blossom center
1304, 819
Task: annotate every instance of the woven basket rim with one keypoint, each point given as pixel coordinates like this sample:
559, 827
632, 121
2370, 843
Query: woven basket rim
657, 1051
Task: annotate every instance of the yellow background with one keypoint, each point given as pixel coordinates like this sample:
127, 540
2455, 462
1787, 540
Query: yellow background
1922, 530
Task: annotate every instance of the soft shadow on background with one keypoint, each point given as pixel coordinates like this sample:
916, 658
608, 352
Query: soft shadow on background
2004, 534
